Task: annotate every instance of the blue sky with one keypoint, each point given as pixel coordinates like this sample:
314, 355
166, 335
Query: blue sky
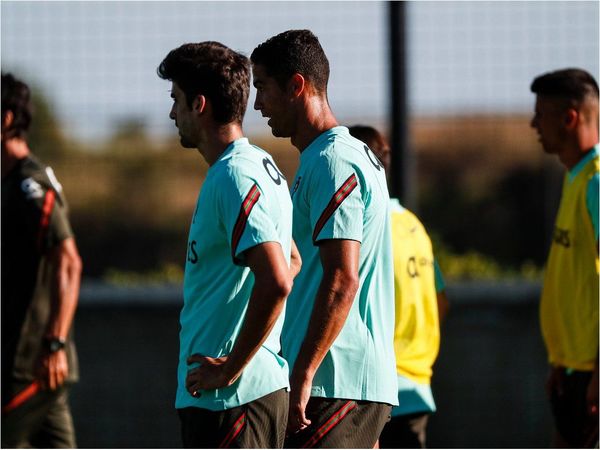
96, 61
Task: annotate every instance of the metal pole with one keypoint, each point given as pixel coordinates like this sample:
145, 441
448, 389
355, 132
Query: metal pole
402, 176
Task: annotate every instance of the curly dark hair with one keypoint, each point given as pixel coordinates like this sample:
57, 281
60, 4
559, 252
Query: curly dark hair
573, 85
16, 97
294, 51
213, 70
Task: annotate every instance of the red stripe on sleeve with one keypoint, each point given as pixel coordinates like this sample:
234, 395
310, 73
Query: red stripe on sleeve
338, 198
240, 224
45, 218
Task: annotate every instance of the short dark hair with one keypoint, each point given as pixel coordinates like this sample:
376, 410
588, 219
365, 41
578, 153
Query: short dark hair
368, 135
374, 140
573, 85
294, 51
16, 97
213, 70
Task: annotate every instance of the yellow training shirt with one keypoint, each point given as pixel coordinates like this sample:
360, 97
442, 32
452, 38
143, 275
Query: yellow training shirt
417, 332
569, 304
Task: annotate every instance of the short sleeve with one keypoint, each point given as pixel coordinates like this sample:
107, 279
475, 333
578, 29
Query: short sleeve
592, 201
47, 212
59, 227
336, 204
245, 215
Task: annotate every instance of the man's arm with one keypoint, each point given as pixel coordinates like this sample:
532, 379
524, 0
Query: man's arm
53, 367
339, 258
295, 260
272, 284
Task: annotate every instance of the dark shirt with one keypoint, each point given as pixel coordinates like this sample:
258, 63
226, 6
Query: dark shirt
34, 220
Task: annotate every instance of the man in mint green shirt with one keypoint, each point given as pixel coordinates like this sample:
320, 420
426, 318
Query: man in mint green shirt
338, 331
232, 383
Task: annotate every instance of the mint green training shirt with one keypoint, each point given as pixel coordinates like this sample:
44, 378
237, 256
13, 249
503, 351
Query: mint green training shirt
244, 201
340, 192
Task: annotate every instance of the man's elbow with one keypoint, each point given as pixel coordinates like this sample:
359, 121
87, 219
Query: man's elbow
75, 264
277, 285
345, 283
283, 286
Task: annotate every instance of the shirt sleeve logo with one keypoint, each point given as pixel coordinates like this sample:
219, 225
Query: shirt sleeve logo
272, 171
32, 189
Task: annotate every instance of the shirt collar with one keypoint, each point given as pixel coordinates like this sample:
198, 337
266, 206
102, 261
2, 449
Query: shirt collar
316, 143
593, 153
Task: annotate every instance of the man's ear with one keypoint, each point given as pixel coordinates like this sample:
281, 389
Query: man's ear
199, 104
7, 119
571, 117
297, 84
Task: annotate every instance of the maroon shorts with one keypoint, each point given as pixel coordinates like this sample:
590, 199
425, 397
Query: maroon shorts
258, 424
339, 423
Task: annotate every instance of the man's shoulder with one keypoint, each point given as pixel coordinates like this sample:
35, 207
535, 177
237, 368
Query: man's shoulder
35, 178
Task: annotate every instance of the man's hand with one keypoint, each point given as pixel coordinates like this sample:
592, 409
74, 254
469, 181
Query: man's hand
299, 397
52, 369
213, 373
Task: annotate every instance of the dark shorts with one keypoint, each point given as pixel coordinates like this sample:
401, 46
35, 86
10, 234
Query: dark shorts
258, 424
40, 420
406, 431
341, 424
573, 423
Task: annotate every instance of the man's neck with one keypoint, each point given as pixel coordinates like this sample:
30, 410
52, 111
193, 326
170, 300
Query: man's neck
314, 121
578, 150
13, 150
218, 140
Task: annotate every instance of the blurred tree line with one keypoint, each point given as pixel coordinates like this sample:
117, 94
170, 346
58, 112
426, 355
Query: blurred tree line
486, 193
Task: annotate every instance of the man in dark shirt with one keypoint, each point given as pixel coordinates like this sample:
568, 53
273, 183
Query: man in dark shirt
41, 271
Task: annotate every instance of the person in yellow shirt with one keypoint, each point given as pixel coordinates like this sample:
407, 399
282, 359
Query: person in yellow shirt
566, 120
421, 304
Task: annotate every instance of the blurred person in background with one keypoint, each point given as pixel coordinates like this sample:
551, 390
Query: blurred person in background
232, 383
566, 120
41, 271
421, 306
338, 331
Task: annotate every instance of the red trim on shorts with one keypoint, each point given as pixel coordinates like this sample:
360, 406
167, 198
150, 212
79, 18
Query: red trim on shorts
45, 219
21, 397
234, 432
242, 219
331, 422
335, 202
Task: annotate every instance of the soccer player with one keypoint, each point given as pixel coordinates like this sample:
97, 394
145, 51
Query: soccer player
421, 306
41, 271
566, 120
338, 331
232, 383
